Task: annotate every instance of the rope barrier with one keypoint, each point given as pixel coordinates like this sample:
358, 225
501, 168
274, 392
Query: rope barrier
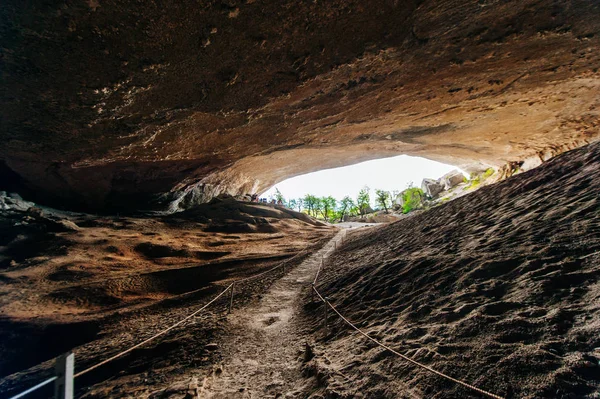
162, 332
361, 332
229, 287
152, 337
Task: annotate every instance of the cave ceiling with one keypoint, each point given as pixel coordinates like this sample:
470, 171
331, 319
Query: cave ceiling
125, 103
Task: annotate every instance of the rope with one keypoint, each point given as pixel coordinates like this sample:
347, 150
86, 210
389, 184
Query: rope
230, 286
162, 332
152, 337
439, 373
38, 386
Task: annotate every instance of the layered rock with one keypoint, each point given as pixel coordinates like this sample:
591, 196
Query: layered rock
108, 104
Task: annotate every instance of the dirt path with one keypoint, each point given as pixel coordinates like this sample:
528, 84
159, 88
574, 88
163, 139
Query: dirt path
262, 354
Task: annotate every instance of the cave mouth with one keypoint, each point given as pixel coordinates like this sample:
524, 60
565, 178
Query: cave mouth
392, 174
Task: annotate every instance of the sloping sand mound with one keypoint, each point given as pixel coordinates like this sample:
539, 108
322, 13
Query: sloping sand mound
91, 275
500, 288
230, 210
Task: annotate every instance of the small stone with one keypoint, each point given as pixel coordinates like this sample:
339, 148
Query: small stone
67, 224
211, 346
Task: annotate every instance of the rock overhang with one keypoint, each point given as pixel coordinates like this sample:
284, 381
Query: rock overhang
110, 105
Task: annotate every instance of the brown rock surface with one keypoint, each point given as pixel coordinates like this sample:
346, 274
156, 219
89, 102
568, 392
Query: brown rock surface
115, 104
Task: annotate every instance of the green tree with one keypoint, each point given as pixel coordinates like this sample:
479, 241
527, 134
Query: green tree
327, 207
363, 200
412, 198
345, 207
383, 199
279, 197
312, 204
292, 204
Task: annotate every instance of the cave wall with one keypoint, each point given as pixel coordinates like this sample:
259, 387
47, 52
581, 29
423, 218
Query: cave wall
117, 104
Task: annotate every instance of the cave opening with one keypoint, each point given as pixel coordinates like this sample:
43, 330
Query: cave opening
379, 185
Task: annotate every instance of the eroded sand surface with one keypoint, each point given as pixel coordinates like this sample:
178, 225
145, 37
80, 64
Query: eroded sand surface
500, 288
105, 283
264, 349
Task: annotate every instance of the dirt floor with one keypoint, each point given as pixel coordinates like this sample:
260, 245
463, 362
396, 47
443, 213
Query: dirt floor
500, 288
264, 348
99, 284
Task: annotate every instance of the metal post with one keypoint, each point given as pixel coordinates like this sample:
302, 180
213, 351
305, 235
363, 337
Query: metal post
63, 385
335, 245
312, 291
231, 298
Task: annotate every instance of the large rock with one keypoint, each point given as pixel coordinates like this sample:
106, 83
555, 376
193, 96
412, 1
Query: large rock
452, 179
13, 201
432, 187
194, 99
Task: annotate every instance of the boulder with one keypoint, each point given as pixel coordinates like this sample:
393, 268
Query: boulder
432, 187
14, 201
452, 179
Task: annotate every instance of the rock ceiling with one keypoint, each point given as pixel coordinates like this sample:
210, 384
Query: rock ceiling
109, 103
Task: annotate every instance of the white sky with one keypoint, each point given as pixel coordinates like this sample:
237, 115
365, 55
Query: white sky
388, 174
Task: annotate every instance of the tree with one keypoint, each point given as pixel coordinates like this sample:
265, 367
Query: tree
279, 197
312, 204
383, 199
299, 204
327, 207
345, 207
412, 198
363, 200
292, 204
318, 207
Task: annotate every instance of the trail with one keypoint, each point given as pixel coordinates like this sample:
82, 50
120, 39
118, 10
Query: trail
262, 354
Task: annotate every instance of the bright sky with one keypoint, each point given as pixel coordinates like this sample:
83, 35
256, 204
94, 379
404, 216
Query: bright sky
388, 174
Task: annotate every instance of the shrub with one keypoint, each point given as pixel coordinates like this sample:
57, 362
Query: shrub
412, 198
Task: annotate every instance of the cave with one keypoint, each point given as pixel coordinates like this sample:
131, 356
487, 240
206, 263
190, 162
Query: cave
122, 106
132, 132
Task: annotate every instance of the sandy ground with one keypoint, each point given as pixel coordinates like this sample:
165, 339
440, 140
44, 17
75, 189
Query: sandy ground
500, 288
103, 283
263, 351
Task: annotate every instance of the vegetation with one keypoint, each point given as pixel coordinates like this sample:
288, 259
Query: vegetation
279, 197
329, 209
312, 204
363, 200
328, 205
383, 199
412, 198
346, 207
476, 179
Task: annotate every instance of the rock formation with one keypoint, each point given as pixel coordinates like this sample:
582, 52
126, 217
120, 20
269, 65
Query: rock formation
113, 104
431, 187
452, 179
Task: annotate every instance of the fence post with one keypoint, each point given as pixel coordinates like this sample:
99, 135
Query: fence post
231, 297
63, 385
